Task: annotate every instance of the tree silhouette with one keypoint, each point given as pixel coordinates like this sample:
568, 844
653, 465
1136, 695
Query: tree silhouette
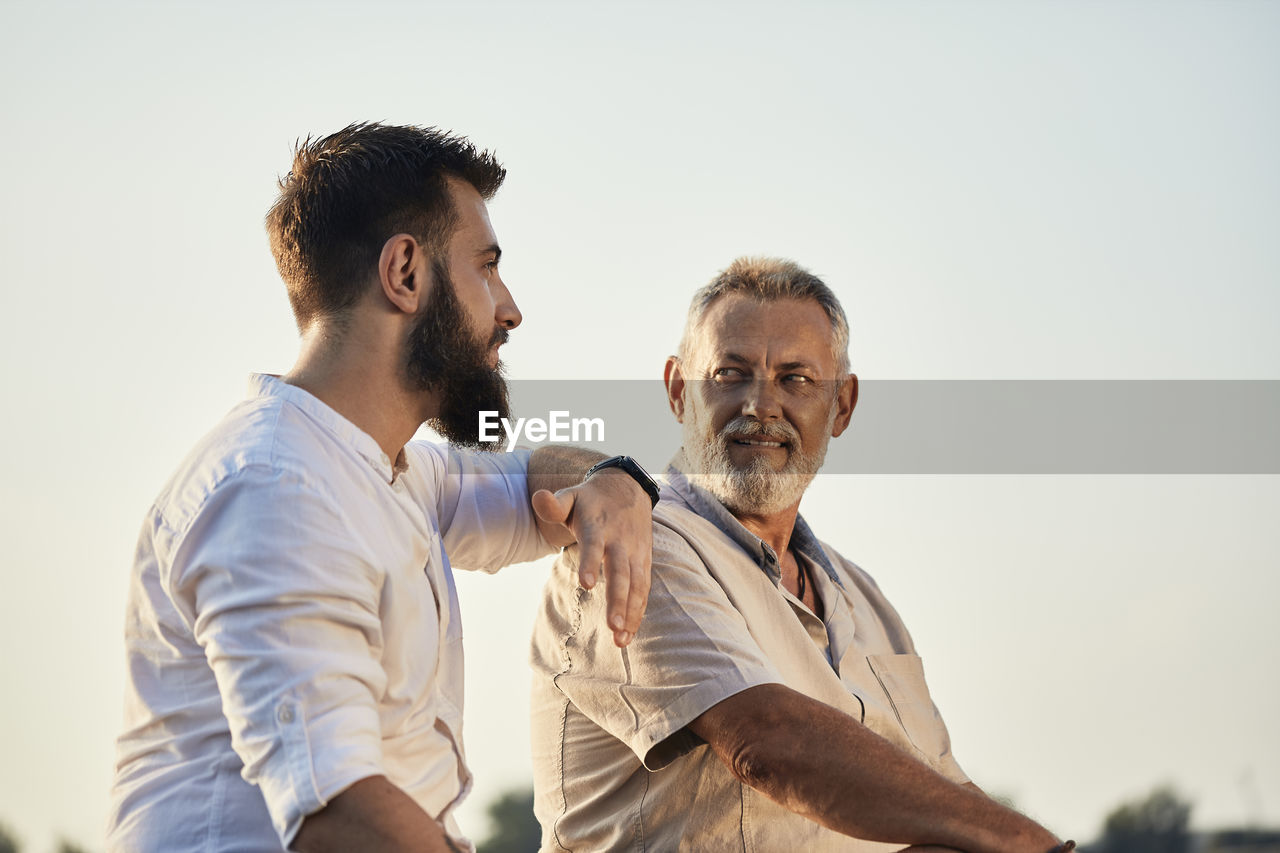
8, 843
1157, 824
515, 829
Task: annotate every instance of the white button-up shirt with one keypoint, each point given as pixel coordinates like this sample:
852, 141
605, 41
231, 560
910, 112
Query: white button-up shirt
293, 625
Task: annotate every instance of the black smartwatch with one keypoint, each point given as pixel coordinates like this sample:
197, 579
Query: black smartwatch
632, 467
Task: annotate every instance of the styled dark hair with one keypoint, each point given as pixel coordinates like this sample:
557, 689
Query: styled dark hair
349, 192
766, 280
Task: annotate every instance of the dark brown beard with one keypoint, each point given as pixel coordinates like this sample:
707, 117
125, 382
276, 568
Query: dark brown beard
443, 356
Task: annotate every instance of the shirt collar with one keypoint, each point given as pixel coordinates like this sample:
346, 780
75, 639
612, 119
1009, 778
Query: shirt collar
265, 385
681, 489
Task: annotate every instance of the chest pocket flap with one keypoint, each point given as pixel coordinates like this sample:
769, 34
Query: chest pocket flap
902, 677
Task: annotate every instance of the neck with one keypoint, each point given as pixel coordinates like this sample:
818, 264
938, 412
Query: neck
774, 529
357, 373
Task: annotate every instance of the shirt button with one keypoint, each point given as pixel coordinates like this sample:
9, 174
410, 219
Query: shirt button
285, 714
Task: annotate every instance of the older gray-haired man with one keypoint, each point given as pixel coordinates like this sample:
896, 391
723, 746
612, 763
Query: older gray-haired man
773, 699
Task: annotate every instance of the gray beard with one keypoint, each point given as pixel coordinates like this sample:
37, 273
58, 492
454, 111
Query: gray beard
756, 488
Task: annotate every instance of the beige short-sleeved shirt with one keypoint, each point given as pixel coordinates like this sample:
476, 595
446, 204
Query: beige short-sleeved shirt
615, 767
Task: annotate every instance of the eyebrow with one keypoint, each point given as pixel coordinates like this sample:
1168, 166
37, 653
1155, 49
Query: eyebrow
790, 365
491, 249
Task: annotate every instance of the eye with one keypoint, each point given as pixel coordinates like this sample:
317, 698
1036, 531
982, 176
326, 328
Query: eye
727, 373
797, 379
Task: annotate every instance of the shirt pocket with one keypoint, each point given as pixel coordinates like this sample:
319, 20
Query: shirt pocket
902, 678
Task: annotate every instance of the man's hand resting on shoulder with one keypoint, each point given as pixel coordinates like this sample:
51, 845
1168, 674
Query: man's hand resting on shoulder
609, 516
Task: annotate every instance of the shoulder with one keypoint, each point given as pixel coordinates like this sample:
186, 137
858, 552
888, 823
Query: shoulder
262, 440
428, 458
680, 561
681, 535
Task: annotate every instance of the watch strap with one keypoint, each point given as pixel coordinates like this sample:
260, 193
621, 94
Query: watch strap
633, 468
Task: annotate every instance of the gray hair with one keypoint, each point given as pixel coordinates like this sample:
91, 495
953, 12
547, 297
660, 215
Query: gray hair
767, 280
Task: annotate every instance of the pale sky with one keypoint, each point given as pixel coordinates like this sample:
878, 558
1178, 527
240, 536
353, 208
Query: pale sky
996, 190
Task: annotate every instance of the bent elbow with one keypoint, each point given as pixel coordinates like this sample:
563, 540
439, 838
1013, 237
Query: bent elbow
754, 764
754, 735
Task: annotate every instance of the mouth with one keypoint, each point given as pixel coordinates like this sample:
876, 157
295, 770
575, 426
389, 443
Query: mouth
759, 442
500, 336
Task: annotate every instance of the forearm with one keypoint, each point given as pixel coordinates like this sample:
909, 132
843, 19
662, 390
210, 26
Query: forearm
558, 466
839, 773
888, 795
372, 815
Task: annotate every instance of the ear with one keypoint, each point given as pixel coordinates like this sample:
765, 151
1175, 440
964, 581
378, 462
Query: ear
404, 272
674, 380
846, 399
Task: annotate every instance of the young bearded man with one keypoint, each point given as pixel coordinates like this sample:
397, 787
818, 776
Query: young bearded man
293, 637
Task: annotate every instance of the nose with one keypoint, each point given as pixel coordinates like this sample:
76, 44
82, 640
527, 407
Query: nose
505, 311
761, 400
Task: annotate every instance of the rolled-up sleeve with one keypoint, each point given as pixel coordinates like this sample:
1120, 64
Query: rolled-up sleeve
693, 651
481, 500
285, 604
